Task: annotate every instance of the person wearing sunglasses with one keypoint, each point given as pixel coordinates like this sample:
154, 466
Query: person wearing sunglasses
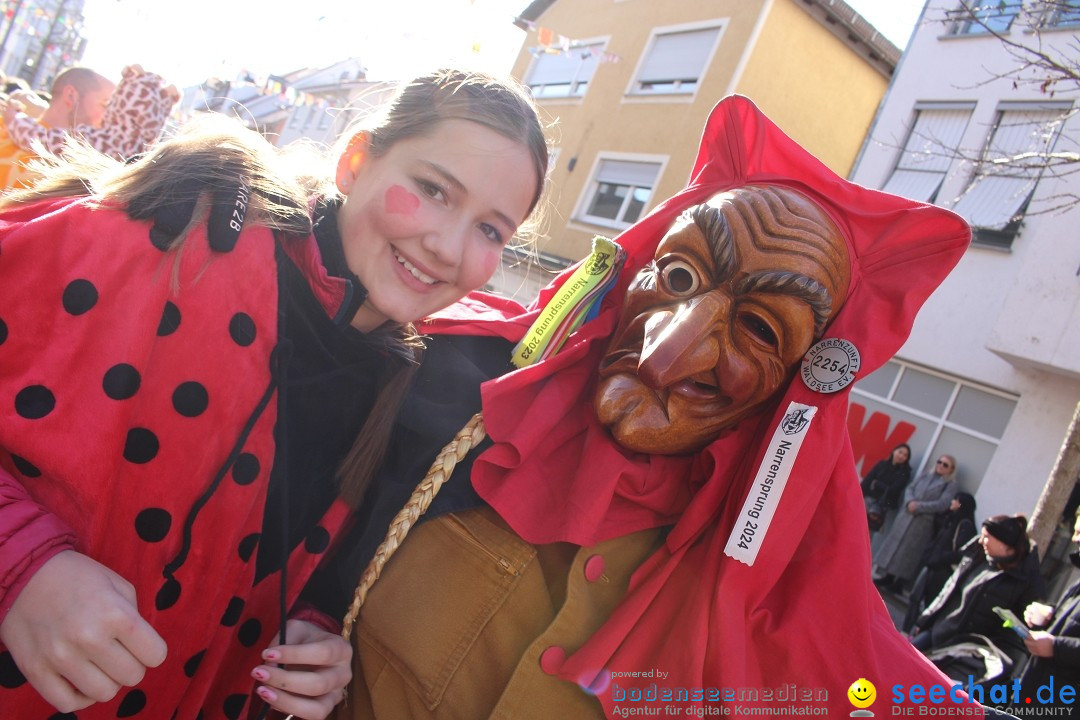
925, 497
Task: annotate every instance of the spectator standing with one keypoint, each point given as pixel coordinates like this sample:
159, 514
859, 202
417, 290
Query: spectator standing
121, 124
884, 484
902, 550
79, 97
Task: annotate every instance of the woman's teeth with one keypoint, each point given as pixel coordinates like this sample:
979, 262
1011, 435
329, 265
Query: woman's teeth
415, 272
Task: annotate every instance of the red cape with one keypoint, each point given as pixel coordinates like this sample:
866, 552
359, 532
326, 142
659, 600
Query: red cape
805, 612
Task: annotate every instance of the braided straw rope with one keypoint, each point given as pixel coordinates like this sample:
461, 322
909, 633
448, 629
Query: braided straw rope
466, 439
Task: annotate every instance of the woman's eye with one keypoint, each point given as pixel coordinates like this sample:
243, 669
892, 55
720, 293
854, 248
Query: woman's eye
759, 328
491, 233
432, 190
679, 277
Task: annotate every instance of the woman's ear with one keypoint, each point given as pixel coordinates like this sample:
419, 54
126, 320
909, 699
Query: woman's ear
351, 161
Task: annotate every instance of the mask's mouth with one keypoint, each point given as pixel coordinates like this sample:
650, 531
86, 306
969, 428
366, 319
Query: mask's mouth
701, 386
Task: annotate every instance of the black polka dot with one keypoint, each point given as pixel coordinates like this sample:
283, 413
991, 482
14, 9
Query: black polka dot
190, 399
170, 320
242, 329
245, 469
3, 331
132, 704
63, 716
10, 675
152, 524
121, 381
193, 662
249, 632
234, 705
141, 446
233, 612
167, 595
80, 296
247, 546
201, 715
27, 468
34, 402
317, 540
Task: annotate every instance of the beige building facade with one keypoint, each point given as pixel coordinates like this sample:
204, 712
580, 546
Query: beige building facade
628, 85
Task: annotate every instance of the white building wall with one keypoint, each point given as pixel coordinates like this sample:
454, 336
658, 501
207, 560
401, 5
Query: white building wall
1009, 319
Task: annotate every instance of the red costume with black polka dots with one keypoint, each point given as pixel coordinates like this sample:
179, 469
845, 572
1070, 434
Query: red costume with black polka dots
138, 403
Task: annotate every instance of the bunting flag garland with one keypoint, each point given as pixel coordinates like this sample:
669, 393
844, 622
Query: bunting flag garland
552, 43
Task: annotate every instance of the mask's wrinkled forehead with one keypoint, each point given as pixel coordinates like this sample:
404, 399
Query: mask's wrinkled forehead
786, 225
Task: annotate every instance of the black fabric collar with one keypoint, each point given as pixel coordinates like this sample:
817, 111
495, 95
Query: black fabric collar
328, 238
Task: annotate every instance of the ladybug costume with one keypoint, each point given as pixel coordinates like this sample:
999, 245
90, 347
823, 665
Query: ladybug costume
177, 416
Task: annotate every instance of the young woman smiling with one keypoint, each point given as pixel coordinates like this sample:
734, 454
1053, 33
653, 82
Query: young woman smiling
201, 354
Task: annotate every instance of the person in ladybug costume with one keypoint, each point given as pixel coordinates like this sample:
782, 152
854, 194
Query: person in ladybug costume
188, 405
665, 516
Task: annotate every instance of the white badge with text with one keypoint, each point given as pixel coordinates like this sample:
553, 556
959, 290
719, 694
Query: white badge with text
772, 475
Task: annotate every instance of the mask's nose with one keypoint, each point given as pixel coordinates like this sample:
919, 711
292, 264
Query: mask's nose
682, 342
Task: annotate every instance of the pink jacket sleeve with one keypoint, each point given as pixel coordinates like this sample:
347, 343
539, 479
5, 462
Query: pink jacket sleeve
29, 536
132, 123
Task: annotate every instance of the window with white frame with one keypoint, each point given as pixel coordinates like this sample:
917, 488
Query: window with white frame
929, 150
1005, 177
676, 60
987, 16
566, 73
950, 416
618, 192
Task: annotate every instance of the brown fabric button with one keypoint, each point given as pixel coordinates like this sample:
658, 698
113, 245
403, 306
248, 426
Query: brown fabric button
594, 568
552, 659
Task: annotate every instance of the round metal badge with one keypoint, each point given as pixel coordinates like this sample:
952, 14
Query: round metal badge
830, 365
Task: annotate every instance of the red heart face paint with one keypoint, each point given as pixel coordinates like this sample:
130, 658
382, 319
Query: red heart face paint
400, 201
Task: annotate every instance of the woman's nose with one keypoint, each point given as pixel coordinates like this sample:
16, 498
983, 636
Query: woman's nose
682, 342
446, 242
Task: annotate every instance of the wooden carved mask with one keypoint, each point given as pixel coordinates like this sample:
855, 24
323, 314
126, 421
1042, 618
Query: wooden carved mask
713, 329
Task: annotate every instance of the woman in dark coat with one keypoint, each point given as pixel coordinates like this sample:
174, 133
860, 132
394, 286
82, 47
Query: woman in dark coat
944, 553
883, 485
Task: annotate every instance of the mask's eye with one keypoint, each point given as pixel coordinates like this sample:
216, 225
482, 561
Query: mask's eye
758, 328
679, 277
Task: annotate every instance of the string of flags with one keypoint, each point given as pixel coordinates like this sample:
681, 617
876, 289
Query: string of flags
552, 43
28, 18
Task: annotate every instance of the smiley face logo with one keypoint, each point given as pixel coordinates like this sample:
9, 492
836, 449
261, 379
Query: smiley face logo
862, 693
